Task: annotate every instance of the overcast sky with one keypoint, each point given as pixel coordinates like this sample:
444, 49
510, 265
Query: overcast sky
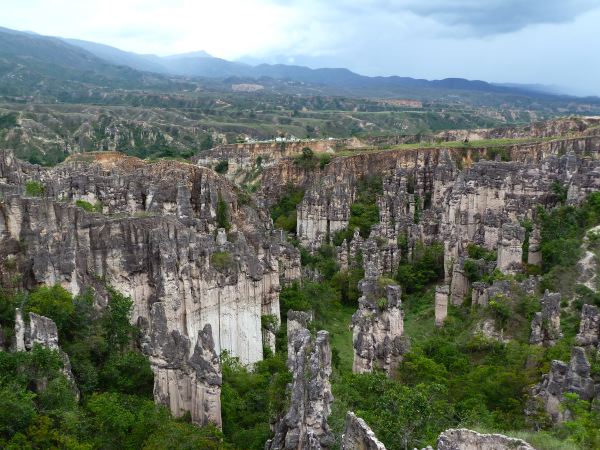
553, 42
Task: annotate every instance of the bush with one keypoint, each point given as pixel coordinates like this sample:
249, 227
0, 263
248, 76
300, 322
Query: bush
127, 373
222, 166
427, 267
34, 189
284, 212
116, 320
89, 207
222, 261
54, 302
223, 214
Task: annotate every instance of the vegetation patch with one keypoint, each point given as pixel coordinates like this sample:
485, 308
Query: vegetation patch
34, 189
89, 207
364, 212
284, 212
222, 261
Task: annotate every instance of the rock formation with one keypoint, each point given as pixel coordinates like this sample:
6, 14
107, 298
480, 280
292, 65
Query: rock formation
183, 381
157, 241
589, 327
358, 435
573, 377
510, 248
534, 255
304, 426
463, 439
454, 196
40, 330
545, 326
441, 304
378, 326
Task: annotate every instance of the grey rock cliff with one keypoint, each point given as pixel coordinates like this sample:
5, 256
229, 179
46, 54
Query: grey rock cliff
358, 435
378, 327
572, 377
545, 326
463, 439
185, 381
589, 327
40, 330
157, 240
304, 426
450, 195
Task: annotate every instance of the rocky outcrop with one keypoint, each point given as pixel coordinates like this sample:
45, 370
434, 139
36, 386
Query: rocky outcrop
463, 439
42, 331
573, 377
510, 248
243, 158
378, 327
588, 264
545, 326
589, 327
38, 330
358, 435
157, 240
185, 381
304, 426
482, 293
534, 255
441, 304
450, 195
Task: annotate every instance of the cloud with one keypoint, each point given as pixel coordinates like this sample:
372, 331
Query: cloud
480, 17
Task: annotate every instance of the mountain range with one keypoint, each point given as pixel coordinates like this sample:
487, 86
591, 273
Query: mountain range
32, 63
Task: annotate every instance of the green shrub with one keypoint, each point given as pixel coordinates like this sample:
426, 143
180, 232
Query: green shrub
222, 166
500, 309
222, 261
477, 252
54, 302
89, 207
34, 189
223, 219
426, 267
284, 212
116, 320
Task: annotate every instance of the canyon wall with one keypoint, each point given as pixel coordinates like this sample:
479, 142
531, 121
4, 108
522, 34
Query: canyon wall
449, 195
156, 240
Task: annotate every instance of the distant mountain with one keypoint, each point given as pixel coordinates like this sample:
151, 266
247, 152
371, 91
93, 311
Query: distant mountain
33, 65
149, 63
55, 68
201, 64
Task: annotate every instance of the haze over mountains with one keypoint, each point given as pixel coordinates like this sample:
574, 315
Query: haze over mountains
27, 58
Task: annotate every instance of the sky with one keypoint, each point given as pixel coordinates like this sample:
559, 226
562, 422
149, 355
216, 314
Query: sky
551, 42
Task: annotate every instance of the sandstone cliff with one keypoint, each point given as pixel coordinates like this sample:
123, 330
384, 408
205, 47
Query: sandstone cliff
156, 239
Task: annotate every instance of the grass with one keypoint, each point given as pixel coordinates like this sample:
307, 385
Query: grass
89, 207
337, 322
483, 143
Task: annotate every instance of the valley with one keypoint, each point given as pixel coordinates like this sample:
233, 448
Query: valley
197, 253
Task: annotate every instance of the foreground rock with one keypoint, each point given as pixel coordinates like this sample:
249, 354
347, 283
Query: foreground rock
182, 382
575, 377
378, 327
40, 330
589, 327
545, 326
358, 435
304, 426
463, 439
